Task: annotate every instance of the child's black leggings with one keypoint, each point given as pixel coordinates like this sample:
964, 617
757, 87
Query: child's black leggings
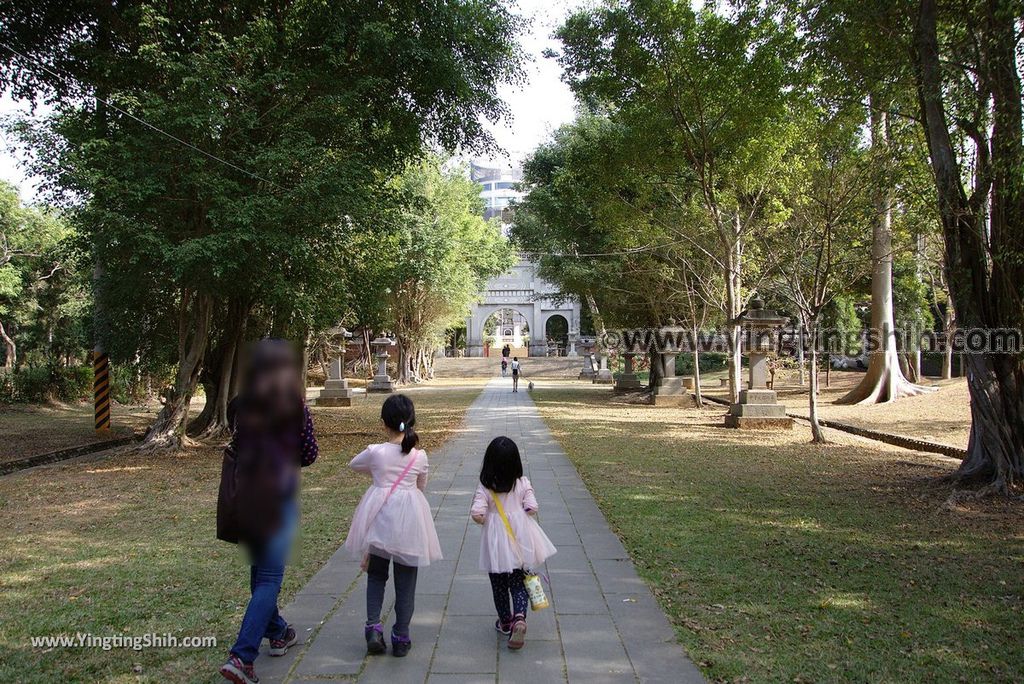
505, 584
405, 592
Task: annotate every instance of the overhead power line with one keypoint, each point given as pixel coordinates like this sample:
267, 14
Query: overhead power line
145, 123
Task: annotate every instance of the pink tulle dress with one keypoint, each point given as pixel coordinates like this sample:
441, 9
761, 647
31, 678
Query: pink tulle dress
497, 552
400, 526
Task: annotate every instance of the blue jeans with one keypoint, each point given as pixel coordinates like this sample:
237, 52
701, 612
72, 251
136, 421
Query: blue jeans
262, 620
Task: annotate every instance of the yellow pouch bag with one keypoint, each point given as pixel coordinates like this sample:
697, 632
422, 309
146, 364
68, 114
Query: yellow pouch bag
534, 588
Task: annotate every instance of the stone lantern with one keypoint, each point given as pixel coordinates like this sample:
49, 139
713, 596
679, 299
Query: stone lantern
669, 390
336, 391
627, 380
758, 407
571, 350
589, 369
381, 382
604, 373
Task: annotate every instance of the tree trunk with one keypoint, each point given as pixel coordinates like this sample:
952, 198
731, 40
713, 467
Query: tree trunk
220, 368
884, 381
817, 435
11, 358
367, 354
304, 371
982, 268
168, 429
697, 398
800, 357
656, 371
733, 305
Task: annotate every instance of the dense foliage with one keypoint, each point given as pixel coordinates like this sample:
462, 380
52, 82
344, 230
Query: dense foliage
220, 159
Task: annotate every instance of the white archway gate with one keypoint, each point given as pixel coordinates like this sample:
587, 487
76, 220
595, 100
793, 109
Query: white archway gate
521, 290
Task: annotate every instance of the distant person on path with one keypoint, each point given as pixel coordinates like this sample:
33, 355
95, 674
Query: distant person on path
257, 505
506, 352
503, 557
504, 367
392, 524
515, 374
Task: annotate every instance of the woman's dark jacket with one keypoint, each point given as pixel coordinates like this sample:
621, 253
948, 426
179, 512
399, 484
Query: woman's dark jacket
260, 474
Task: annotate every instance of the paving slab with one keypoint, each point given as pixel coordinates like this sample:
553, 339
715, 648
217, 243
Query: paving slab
604, 624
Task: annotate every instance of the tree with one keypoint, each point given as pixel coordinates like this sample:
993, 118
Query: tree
292, 116
859, 48
966, 68
436, 258
822, 237
41, 300
713, 90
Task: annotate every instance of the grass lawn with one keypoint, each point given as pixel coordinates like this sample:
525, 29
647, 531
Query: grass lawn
780, 561
27, 430
125, 545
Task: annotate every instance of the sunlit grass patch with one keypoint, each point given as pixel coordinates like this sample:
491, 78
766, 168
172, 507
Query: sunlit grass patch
781, 561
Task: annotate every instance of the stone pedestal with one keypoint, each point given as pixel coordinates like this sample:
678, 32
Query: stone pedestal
669, 390
589, 372
627, 380
604, 374
589, 366
381, 381
758, 409
571, 353
336, 391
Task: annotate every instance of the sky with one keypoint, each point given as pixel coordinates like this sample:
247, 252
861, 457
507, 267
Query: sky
537, 107
543, 102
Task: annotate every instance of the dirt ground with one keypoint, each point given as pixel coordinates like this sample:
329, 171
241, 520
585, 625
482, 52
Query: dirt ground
942, 416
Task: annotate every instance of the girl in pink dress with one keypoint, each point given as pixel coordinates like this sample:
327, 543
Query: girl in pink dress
392, 524
503, 558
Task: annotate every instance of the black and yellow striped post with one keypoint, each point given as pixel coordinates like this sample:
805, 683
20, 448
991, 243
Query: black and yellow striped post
101, 392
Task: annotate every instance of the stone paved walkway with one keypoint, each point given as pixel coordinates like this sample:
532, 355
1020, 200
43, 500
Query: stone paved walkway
604, 624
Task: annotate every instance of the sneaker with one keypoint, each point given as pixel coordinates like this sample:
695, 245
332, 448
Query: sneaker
400, 645
238, 672
518, 636
278, 647
503, 627
374, 639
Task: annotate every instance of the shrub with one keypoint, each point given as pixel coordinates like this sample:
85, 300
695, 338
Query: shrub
709, 362
48, 383
128, 385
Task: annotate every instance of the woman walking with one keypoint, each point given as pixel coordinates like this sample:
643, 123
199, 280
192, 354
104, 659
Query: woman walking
257, 506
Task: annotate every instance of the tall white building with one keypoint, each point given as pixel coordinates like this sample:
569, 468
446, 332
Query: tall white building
528, 310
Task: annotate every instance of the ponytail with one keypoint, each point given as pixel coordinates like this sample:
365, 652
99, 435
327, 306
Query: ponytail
410, 440
399, 414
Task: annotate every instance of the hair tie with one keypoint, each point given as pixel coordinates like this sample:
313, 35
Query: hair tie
401, 426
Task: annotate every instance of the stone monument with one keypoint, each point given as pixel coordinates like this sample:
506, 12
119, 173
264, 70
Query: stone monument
336, 391
627, 380
571, 352
604, 374
381, 382
589, 370
669, 390
758, 407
